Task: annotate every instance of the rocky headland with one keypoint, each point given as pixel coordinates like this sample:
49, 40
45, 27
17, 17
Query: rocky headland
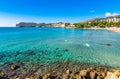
32, 24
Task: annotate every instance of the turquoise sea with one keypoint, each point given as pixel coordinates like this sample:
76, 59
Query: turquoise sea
50, 47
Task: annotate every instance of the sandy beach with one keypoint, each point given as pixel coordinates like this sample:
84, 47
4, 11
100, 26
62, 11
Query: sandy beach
115, 29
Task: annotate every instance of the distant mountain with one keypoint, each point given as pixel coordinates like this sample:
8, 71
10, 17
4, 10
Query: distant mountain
31, 24
23, 24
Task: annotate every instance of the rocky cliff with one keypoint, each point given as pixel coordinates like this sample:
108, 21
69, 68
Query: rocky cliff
31, 24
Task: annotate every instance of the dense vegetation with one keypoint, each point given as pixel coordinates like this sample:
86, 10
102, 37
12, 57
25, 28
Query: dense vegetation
96, 24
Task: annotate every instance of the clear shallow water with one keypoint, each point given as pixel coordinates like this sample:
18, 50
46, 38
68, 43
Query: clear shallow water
49, 45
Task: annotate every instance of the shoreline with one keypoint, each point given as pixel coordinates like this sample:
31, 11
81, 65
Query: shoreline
58, 70
114, 29
99, 72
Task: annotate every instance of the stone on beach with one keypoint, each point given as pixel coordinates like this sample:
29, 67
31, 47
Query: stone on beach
65, 76
46, 76
111, 75
116, 72
83, 73
87, 73
93, 75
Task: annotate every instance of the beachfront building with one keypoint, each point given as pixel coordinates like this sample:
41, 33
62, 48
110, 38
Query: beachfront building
107, 19
111, 19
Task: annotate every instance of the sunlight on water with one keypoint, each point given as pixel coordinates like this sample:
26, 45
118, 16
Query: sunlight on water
88, 45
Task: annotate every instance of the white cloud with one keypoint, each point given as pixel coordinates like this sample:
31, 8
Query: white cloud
107, 14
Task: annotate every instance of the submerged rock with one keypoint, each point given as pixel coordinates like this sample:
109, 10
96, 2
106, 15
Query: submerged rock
66, 50
29, 53
1, 74
59, 55
1, 56
108, 44
56, 48
14, 67
16, 53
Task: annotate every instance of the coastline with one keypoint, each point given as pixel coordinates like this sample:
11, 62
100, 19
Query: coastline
114, 29
62, 72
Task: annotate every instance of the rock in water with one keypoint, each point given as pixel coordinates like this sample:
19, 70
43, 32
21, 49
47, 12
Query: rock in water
56, 48
14, 67
66, 50
1, 74
29, 53
108, 44
1, 56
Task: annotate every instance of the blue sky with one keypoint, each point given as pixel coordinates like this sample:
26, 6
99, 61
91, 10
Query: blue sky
14, 11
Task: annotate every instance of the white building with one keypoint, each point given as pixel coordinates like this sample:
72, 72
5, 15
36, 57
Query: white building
111, 19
